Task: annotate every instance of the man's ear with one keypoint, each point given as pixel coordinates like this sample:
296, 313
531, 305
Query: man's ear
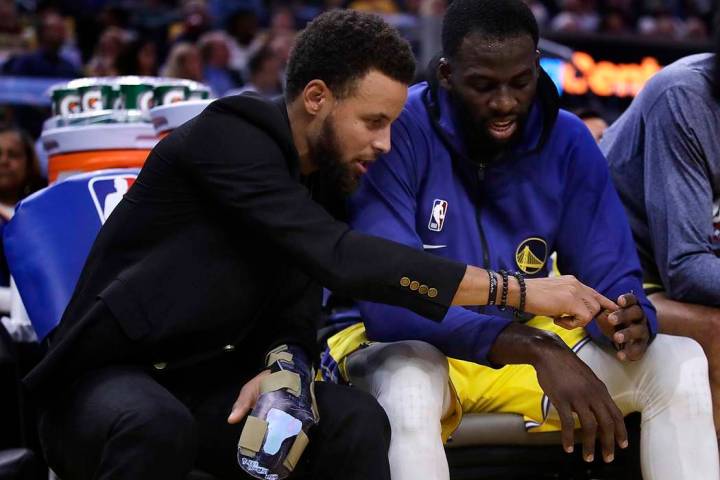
316, 95
444, 72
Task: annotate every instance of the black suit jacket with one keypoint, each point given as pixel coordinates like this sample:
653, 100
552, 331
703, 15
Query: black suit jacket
218, 242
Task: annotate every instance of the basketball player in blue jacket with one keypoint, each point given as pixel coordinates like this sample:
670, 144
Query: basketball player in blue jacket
486, 169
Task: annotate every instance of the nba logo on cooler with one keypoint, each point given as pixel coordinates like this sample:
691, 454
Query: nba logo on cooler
107, 191
437, 215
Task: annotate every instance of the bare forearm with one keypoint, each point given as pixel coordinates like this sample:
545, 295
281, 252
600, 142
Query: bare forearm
686, 319
521, 344
475, 286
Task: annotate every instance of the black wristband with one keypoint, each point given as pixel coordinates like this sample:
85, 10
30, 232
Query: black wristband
523, 293
492, 287
506, 284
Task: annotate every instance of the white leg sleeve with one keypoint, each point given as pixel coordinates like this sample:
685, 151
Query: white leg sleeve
410, 381
669, 386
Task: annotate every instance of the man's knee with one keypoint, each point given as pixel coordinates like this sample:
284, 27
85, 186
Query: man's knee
680, 374
161, 428
410, 353
411, 385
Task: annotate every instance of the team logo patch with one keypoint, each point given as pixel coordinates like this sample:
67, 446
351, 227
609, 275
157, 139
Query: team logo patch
531, 255
437, 215
107, 191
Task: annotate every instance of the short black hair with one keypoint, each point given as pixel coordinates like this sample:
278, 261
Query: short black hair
341, 46
497, 19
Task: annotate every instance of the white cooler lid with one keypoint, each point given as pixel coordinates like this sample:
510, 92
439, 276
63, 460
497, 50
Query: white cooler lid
169, 117
109, 136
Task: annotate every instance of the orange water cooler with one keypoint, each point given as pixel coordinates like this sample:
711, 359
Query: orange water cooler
86, 148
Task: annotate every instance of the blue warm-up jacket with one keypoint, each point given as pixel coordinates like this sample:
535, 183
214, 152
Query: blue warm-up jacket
551, 193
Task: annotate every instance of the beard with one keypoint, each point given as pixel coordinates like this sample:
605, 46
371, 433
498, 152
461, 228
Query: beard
327, 155
481, 146
334, 180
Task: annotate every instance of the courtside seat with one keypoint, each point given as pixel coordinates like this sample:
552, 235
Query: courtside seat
49, 238
46, 244
498, 429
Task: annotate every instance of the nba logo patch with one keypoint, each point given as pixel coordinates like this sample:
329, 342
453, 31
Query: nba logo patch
107, 191
437, 215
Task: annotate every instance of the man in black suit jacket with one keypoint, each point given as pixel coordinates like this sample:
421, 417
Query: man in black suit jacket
217, 255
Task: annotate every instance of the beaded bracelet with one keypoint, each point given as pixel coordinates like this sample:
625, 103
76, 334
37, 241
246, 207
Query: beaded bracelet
506, 282
492, 290
523, 293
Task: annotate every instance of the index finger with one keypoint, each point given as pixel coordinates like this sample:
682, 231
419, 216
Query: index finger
606, 303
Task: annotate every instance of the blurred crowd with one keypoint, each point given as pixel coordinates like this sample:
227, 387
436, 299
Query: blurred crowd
243, 44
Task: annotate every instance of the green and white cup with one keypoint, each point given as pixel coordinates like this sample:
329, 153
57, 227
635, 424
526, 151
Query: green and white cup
134, 96
199, 93
168, 94
96, 97
66, 101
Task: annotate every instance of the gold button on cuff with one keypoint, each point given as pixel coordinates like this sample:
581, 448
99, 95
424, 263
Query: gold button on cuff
160, 366
414, 285
423, 289
404, 281
432, 293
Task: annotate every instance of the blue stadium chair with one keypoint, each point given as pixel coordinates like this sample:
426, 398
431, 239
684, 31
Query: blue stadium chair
46, 244
49, 238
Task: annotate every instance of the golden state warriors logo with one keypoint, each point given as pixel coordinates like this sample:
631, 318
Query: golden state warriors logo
531, 255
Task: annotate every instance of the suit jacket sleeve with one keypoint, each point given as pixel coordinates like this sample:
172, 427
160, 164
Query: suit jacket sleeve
244, 170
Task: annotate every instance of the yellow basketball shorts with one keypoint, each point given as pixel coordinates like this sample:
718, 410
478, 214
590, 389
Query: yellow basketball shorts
477, 388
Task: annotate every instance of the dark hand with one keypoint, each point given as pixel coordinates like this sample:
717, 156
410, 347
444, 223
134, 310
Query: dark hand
572, 386
627, 328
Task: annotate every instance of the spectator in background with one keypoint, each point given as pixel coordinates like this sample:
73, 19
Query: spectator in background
540, 11
183, 62
46, 60
282, 22
594, 121
215, 53
104, 60
139, 57
19, 177
265, 73
616, 21
661, 24
14, 36
243, 28
196, 22
576, 16
19, 169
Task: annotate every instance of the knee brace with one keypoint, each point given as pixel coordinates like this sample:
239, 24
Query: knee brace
275, 432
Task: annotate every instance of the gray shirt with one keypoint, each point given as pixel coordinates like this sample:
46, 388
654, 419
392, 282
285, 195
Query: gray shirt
664, 155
